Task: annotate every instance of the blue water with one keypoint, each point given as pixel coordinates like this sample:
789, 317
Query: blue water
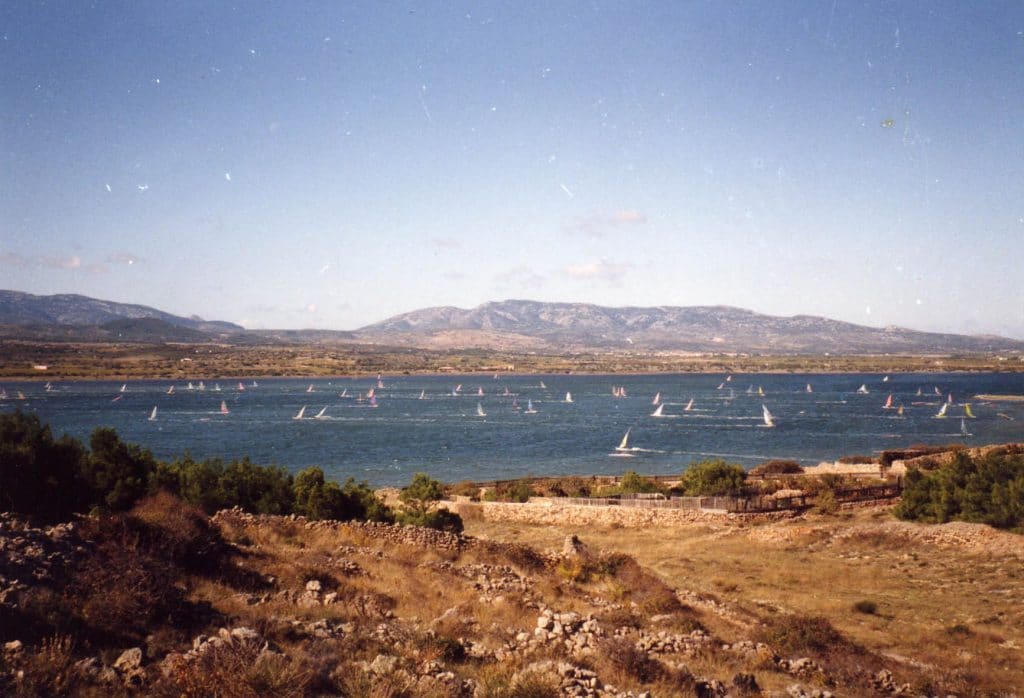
443, 436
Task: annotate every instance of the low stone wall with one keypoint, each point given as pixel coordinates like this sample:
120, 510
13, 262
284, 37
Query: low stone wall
552, 512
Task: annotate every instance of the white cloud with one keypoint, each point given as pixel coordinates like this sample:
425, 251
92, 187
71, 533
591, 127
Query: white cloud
599, 224
446, 243
605, 271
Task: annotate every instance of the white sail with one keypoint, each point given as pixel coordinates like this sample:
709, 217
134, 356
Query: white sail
480, 410
657, 399
529, 407
301, 413
124, 387
886, 379
223, 407
216, 387
720, 386
689, 406
963, 427
152, 415
202, 386
769, 421
480, 391
344, 392
170, 391
942, 410
320, 414
624, 444
809, 388
190, 386
241, 386
310, 388
568, 396
658, 411
542, 386
423, 394
863, 389
728, 378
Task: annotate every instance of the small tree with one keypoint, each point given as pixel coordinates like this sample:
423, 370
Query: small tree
419, 498
116, 473
712, 477
421, 494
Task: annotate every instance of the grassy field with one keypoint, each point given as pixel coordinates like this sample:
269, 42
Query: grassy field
188, 361
951, 608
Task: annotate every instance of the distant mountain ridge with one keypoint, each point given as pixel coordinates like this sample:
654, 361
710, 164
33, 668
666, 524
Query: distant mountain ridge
70, 309
511, 326
582, 326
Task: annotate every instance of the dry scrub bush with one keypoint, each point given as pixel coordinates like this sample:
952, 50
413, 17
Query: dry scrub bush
236, 671
623, 658
48, 670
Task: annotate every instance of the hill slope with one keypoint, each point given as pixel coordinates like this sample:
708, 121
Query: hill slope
21, 309
550, 326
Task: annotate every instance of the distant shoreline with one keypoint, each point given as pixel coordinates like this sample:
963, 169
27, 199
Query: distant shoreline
106, 361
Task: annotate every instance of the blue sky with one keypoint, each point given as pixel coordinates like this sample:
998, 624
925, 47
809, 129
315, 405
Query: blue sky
328, 165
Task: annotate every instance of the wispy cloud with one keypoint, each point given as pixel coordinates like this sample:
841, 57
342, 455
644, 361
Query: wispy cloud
599, 224
603, 271
446, 243
10, 259
521, 276
72, 262
68, 263
123, 258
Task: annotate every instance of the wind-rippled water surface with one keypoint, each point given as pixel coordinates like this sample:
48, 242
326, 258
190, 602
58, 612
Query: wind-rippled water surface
443, 434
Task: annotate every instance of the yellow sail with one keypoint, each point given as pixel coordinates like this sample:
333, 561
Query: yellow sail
967, 411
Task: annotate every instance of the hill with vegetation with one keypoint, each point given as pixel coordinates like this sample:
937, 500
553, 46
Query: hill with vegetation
520, 324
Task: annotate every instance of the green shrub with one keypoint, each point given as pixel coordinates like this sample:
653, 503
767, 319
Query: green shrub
39, 476
441, 519
115, 473
988, 489
712, 477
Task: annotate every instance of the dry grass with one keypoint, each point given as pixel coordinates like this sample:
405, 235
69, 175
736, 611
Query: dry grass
799, 567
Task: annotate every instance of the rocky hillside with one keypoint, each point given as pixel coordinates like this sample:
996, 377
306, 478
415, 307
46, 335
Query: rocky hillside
557, 326
167, 602
20, 309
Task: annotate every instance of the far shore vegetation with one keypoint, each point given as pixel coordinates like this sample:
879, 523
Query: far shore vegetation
97, 361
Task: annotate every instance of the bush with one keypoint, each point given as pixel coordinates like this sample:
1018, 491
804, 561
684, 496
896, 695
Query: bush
569, 487
39, 477
778, 467
712, 477
869, 608
988, 489
213, 484
857, 460
466, 489
632, 483
624, 657
799, 635
519, 491
116, 473
441, 519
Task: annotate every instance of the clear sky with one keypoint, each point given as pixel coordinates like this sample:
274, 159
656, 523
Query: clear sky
329, 164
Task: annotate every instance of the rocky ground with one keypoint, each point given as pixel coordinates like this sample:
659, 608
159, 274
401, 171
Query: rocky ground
285, 606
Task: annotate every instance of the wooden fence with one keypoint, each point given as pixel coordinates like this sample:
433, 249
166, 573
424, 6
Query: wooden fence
751, 504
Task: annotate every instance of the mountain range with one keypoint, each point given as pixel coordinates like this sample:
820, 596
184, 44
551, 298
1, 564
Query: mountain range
511, 325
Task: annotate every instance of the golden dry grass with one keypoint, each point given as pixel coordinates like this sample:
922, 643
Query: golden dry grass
954, 613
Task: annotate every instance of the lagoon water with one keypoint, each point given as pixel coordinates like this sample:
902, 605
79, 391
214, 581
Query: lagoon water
443, 435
